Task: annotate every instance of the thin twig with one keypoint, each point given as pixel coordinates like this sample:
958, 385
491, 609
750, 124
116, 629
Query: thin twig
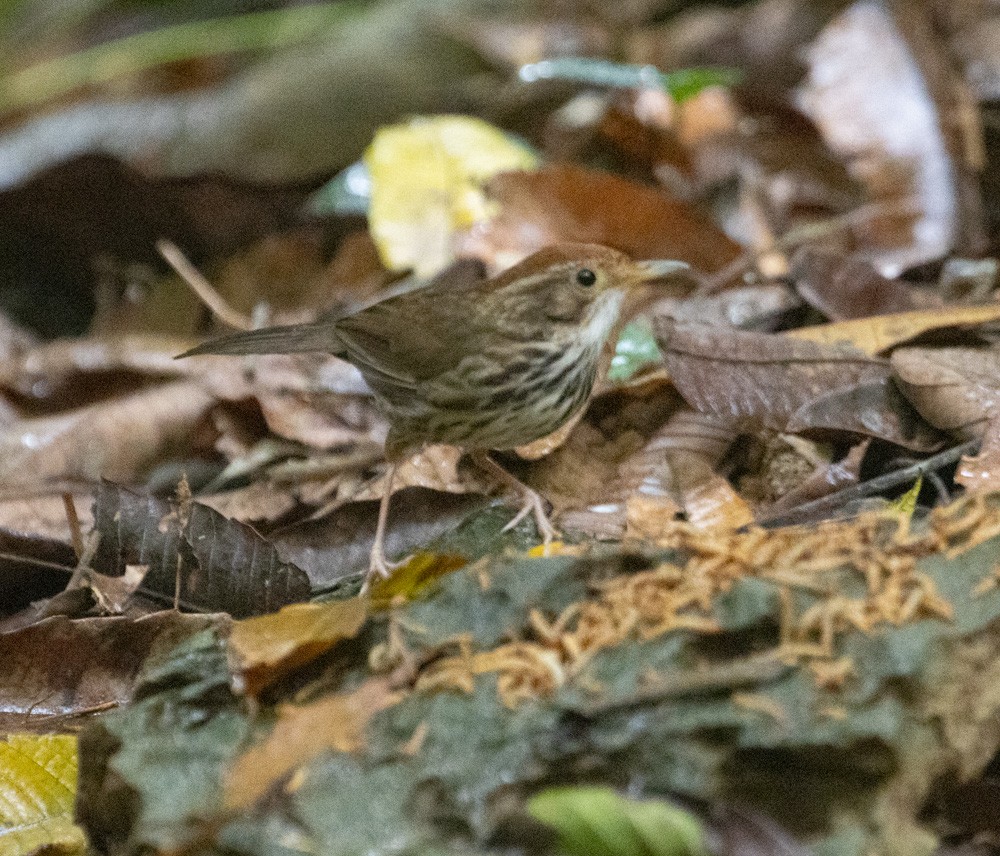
873, 487
202, 287
76, 534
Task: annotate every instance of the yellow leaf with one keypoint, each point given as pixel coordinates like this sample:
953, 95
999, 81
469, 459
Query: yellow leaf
268, 647
37, 790
556, 548
427, 178
905, 505
408, 581
881, 332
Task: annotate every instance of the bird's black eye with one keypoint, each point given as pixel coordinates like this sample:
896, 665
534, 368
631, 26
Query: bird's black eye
585, 276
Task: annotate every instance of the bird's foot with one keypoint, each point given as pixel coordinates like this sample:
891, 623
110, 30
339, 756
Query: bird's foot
379, 567
534, 504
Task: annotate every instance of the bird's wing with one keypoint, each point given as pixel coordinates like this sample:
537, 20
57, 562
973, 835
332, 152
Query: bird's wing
411, 337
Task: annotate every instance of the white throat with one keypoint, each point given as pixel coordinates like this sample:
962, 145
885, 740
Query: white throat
602, 317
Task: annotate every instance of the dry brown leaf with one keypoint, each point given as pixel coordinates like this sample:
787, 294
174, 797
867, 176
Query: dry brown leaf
60, 668
844, 287
434, 467
336, 723
645, 492
44, 516
709, 501
571, 203
322, 420
112, 593
758, 380
268, 647
119, 439
752, 307
42, 370
954, 389
867, 92
547, 445
878, 334
258, 502
238, 379
196, 557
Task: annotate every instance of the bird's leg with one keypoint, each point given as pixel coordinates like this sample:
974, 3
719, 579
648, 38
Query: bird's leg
532, 499
378, 564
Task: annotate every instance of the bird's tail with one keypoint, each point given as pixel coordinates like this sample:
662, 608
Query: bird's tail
293, 339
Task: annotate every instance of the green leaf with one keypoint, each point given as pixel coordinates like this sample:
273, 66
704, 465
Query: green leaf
37, 787
905, 505
346, 194
635, 350
682, 84
595, 821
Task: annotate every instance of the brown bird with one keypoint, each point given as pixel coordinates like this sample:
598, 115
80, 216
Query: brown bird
483, 364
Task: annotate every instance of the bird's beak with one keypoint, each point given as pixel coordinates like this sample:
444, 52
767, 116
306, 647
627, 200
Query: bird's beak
659, 269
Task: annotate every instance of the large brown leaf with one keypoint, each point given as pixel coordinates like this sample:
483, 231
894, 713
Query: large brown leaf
757, 380
570, 203
877, 90
62, 668
119, 439
219, 565
954, 389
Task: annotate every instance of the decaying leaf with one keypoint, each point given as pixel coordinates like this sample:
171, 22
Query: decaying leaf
880, 333
754, 380
336, 723
37, 789
194, 554
63, 670
263, 649
955, 389
434, 467
844, 287
117, 440
869, 95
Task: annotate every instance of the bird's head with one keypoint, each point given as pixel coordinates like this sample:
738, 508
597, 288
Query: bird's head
578, 285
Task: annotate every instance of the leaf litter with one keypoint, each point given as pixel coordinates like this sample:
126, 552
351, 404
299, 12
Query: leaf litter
693, 654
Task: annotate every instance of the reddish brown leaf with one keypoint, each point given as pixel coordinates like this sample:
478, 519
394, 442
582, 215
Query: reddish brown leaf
570, 203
